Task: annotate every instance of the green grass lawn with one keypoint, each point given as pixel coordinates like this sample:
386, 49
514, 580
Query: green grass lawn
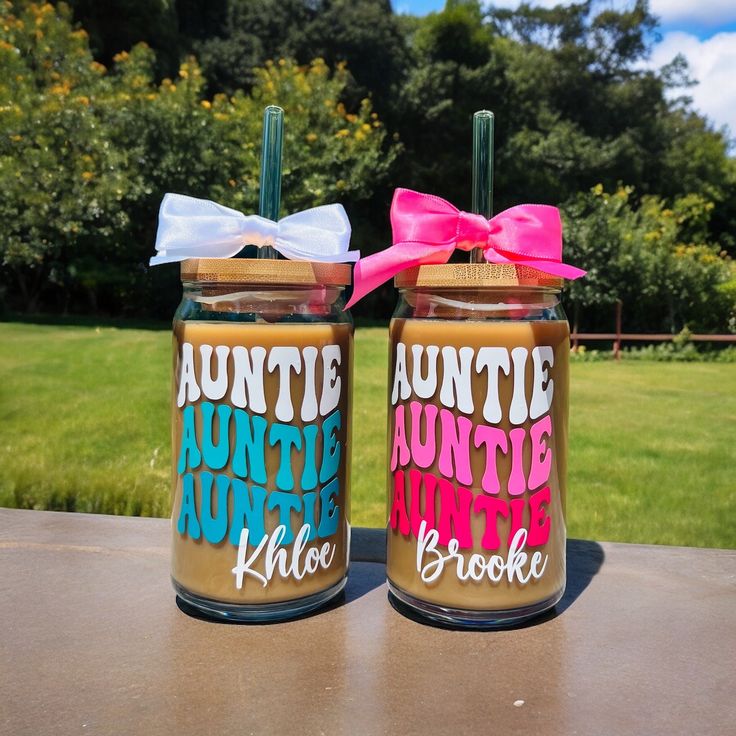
84, 426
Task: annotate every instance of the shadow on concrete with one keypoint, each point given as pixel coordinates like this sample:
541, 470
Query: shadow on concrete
368, 572
584, 559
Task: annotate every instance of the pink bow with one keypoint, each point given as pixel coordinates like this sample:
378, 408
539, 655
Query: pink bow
427, 229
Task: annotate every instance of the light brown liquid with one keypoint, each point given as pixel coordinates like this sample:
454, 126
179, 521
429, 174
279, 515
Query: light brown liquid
206, 569
486, 595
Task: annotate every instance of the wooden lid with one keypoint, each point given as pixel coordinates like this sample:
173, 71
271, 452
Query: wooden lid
265, 271
464, 275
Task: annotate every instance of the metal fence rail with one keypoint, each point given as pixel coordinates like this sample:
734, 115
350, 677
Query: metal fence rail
619, 337
640, 337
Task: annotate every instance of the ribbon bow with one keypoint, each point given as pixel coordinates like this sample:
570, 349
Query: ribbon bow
198, 228
427, 229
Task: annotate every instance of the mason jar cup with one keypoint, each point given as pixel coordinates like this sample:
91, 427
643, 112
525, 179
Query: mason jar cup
478, 405
261, 430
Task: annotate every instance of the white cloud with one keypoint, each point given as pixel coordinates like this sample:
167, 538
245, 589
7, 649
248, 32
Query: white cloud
712, 63
712, 60
708, 13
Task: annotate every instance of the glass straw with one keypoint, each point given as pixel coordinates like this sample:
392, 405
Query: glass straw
483, 123
270, 193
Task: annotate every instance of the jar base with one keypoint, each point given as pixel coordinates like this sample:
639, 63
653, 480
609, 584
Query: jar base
261, 612
462, 618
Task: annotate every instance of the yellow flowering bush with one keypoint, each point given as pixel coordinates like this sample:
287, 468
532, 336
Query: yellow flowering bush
655, 258
62, 178
86, 154
328, 156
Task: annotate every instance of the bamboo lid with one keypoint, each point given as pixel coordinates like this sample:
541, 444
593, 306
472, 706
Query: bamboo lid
464, 275
265, 271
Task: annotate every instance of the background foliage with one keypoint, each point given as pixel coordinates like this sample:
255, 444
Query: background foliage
106, 106
86, 153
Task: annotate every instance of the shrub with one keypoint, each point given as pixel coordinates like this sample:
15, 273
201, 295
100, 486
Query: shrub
87, 153
655, 258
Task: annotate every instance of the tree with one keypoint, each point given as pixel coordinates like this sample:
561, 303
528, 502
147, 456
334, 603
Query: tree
364, 34
242, 36
118, 25
575, 107
575, 103
654, 258
64, 182
456, 70
86, 155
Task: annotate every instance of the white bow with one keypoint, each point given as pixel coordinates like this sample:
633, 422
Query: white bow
199, 228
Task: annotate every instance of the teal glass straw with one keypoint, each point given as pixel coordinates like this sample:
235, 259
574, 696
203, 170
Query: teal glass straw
483, 123
270, 193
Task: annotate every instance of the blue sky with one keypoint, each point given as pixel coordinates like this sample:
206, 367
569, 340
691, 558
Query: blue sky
704, 31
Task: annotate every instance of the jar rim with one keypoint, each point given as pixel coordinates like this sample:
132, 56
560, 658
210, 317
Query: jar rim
265, 271
462, 275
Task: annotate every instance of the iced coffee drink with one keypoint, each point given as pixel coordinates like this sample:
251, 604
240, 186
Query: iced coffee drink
261, 437
478, 396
